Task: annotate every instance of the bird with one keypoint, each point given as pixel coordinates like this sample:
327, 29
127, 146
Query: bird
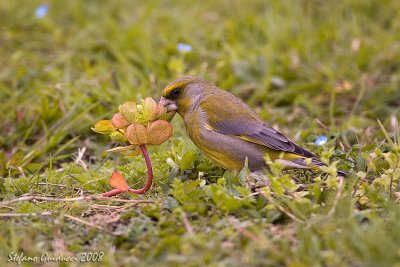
228, 131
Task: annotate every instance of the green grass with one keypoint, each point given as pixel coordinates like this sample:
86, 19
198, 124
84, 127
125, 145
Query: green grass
309, 68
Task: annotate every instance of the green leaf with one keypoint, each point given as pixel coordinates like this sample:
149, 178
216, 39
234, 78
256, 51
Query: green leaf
16, 159
117, 136
387, 136
189, 195
244, 173
225, 201
122, 148
188, 159
129, 111
149, 109
3, 163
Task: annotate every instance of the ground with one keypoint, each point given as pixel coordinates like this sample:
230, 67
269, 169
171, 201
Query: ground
312, 69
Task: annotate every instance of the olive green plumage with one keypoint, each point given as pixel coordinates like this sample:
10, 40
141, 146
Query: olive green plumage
227, 130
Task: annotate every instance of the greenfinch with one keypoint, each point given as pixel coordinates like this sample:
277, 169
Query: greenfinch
228, 131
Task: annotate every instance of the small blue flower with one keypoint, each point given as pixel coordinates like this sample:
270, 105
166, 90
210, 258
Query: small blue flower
41, 11
322, 139
184, 48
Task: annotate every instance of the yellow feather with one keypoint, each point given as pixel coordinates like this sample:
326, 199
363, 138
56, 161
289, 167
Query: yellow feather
179, 84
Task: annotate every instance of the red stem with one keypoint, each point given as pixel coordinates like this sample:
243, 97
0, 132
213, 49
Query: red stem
112, 193
148, 182
149, 173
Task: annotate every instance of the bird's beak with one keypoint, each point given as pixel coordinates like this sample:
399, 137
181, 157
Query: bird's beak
169, 104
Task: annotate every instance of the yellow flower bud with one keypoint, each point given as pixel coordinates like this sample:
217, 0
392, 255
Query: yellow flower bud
104, 127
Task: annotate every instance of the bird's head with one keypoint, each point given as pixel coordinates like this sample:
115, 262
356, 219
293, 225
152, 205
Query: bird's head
182, 94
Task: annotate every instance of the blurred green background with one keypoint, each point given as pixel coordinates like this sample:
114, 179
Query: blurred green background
309, 68
294, 60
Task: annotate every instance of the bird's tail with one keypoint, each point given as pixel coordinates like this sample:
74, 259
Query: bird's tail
304, 163
318, 163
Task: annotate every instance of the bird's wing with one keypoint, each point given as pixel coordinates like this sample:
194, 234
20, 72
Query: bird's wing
229, 115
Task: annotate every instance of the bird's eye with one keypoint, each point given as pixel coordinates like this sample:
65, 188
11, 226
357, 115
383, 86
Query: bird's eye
176, 92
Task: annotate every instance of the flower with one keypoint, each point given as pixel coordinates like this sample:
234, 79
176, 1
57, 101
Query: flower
184, 48
321, 140
41, 11
137, 124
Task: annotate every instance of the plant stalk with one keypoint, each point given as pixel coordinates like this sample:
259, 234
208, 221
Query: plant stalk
148, 182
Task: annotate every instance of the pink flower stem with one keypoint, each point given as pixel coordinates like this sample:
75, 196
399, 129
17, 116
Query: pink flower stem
148, 182
149, 173
112, 193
